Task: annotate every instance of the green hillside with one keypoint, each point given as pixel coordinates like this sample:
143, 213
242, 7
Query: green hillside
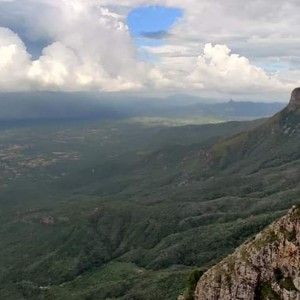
122, 210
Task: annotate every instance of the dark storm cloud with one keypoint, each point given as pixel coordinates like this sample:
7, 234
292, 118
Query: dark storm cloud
156, 35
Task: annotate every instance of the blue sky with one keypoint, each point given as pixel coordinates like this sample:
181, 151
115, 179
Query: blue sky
149, 25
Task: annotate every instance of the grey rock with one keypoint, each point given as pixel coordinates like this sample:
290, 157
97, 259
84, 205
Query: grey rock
266, 267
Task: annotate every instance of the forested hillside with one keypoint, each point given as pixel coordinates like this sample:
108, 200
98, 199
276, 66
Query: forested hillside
123, 210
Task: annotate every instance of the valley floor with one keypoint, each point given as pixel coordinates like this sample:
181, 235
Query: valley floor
123, 210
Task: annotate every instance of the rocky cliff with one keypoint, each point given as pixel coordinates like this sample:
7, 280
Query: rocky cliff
266, 267
295, 100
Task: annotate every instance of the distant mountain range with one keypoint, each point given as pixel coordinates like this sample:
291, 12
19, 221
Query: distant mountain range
47, 105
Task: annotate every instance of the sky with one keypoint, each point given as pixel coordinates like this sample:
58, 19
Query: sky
222, 48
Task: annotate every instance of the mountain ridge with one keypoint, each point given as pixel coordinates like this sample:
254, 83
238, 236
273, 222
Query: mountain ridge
270, 137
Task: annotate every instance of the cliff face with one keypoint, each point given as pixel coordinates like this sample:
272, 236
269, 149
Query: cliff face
266, 267
295, 100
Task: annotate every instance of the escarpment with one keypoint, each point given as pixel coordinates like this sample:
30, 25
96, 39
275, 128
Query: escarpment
294, 103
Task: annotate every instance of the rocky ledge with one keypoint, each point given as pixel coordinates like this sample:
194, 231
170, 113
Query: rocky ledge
265, 267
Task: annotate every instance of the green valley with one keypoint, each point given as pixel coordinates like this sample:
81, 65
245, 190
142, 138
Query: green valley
126, 210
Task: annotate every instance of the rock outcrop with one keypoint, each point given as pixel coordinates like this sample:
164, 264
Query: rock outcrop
295, 99
266, 267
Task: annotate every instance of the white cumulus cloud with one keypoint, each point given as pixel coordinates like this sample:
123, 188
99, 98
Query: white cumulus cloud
14, 61
90, 47
217, 68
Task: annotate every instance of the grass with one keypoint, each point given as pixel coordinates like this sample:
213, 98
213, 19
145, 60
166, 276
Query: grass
267, 292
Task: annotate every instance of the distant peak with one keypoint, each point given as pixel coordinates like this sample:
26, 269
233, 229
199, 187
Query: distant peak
295, 99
